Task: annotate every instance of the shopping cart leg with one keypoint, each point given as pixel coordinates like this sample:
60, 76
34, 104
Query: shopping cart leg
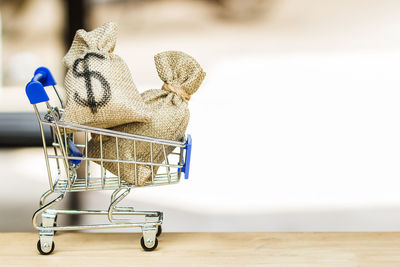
150, 231
149, 240
44, 197
46, 244
114, 197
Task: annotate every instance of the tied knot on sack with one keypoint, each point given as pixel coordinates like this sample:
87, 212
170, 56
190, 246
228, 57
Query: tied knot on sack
176, 89
180, 73
101, 40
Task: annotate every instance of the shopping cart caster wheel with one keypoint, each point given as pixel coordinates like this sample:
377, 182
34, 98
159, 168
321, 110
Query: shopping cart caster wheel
39, 247
159, 231
155, 244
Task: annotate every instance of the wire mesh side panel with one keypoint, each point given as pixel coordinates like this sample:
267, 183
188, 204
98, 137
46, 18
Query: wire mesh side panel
76, 172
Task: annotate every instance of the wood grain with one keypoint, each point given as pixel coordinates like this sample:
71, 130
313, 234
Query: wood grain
200, 249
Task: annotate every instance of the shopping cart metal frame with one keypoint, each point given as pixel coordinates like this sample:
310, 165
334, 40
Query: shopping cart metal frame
69, 155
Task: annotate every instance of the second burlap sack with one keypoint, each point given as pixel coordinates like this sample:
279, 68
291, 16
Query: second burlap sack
99, 87
182, 76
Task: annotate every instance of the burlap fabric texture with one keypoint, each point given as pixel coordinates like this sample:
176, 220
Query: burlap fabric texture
99, 88
182, 76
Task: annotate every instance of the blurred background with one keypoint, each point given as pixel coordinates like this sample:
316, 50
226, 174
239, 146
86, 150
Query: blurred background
295, 128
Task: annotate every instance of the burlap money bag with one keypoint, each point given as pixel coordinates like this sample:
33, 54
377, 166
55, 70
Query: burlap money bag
182, 76
99, 87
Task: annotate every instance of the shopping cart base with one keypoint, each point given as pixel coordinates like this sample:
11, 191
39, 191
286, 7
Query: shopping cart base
150, 226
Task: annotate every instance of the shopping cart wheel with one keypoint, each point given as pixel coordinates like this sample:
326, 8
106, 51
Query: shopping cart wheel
39, 247
155, 244
159, 231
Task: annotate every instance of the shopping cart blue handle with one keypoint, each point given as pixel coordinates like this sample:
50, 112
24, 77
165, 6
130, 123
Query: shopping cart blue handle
188, 147
35, 88
74, 152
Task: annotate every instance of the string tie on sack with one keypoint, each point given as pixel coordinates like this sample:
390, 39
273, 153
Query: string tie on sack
174, 88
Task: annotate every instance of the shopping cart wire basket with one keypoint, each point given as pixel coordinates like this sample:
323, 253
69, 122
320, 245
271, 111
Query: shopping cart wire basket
69, 169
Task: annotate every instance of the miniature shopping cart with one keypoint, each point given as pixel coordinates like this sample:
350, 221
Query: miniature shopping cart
69, 170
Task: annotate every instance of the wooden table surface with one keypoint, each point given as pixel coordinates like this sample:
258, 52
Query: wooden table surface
199, 249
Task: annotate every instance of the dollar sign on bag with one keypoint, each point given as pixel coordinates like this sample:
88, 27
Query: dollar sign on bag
88, 75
